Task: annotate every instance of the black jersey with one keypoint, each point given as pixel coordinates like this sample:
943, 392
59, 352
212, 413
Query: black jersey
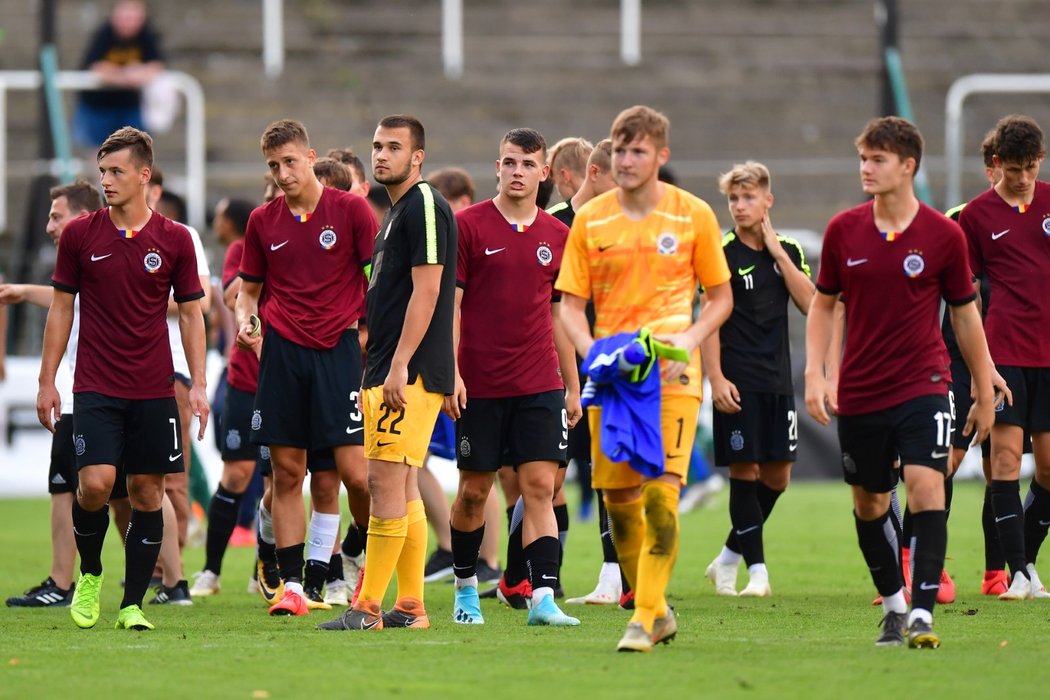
563, 212
418, 230
946, 323
754, 340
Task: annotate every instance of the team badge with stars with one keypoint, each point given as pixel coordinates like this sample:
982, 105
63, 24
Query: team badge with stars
1046, 224
736, 441
544, 254
152, 261
464, 447
79, 445
233, 439
667, 243
914, 264
327, 238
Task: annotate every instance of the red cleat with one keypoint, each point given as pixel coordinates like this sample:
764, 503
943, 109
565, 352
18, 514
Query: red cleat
995, 582
242, 537
357, 588
627, 601
291, 603
946, 593
518, 597
906, 566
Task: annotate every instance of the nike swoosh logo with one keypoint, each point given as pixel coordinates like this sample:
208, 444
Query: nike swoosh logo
563, 445
82, 534
149, 542
744, 270
1045, 523
493, 252
278, 246
96, 258
1006, 517
853, 263
172, 458
792, 447
929, 586
373, 623
603, 248
224, 498
997, 236
351, 431
938, 455
741, 533
384, 444
545, 577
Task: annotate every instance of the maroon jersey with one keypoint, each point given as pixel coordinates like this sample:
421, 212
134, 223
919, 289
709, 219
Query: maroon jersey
1011, 250
124, 284
892, 288
506, 342
242, 371
313, 269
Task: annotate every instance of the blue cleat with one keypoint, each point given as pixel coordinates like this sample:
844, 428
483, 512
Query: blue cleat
547, 612
468, 607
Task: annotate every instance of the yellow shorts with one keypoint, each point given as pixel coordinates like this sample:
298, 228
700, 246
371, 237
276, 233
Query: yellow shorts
400, 436
678, 426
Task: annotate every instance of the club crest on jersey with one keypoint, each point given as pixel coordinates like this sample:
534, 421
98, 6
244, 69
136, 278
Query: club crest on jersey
233, 439
464, 447
152, 261
914, 264
327, 238
79, 445
256, 420
1046, 224
667, 243
544, 254
736, 441
264, 452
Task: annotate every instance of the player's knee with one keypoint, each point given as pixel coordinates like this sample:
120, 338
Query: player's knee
473, 492
146, 491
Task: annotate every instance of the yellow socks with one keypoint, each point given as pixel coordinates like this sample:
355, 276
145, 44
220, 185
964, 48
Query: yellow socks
628, 529
658, 552
386, 538
413, 555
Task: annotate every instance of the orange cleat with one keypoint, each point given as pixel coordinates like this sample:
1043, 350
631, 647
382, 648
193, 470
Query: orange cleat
407, 612
995, 582
292, 603
946, 593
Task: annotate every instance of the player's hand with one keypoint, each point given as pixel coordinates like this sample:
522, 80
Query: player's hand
48, 406
979, 420
820, 397
724, 395
455, 403
573, 408
12, 293
769, 236
198, 398
247, 341
671, 371
999, 385
394, 387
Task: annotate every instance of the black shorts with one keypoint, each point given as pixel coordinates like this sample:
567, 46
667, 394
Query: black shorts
917, 431
960, 393
512, 431
143, 435
308, 398
62, 474
765, 430
1031, 390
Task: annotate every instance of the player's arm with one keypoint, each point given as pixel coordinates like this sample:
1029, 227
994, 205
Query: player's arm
833, 360
204, 301
56, 336
820, 393
986, 382
229, 295
247, 306
35, 294
798, 283
573, 313
724, 394
194, 342
567, 363
426, 287
715, 312
455, 404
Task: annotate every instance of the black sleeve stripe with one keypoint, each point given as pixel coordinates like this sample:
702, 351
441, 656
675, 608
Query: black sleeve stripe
64, 288
461, 285
189, 297
961, 302
827, 290
251, 278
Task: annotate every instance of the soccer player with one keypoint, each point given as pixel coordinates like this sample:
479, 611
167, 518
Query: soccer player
517, 368
748, 363
892, 259
359, 182
1007, 229
409, 370
125, 411
640, 250
309, 249
568, 163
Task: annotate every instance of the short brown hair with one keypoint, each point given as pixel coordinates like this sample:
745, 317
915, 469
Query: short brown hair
282, 132
347, 157
571, 152
452, 183
1020, 140
894, 134
638, 121
748, 174
414, 126
602, 156
139, 143
334, 173
81, 194
989, 148
528, 140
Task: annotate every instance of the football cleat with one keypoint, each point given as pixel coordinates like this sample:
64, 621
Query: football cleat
1038, 589
605, 593
131, 618
84, 608
45, 595
407, 612
335, 592
439, 566
1020, 588
665, 628
205, 583
922, 636
314, 599
179, 594
635, 638
467, 609
369, 617
894, 626
291, 603
271, 588
547, 612
518, 597
627, 601
946, 592
995, 582
723, 576
756, 588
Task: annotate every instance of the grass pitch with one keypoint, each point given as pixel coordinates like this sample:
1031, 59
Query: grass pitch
813, 639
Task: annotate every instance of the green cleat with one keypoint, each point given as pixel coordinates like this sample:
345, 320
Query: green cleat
85, 606
131, 618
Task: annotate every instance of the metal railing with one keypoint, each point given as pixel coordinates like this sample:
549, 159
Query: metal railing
186, 84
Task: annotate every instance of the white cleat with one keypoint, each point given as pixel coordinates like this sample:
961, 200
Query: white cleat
723, 576
253, 586
605, 593
756, 589
352, 569
1038, 589
1020, 589
205, 583
336, 593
